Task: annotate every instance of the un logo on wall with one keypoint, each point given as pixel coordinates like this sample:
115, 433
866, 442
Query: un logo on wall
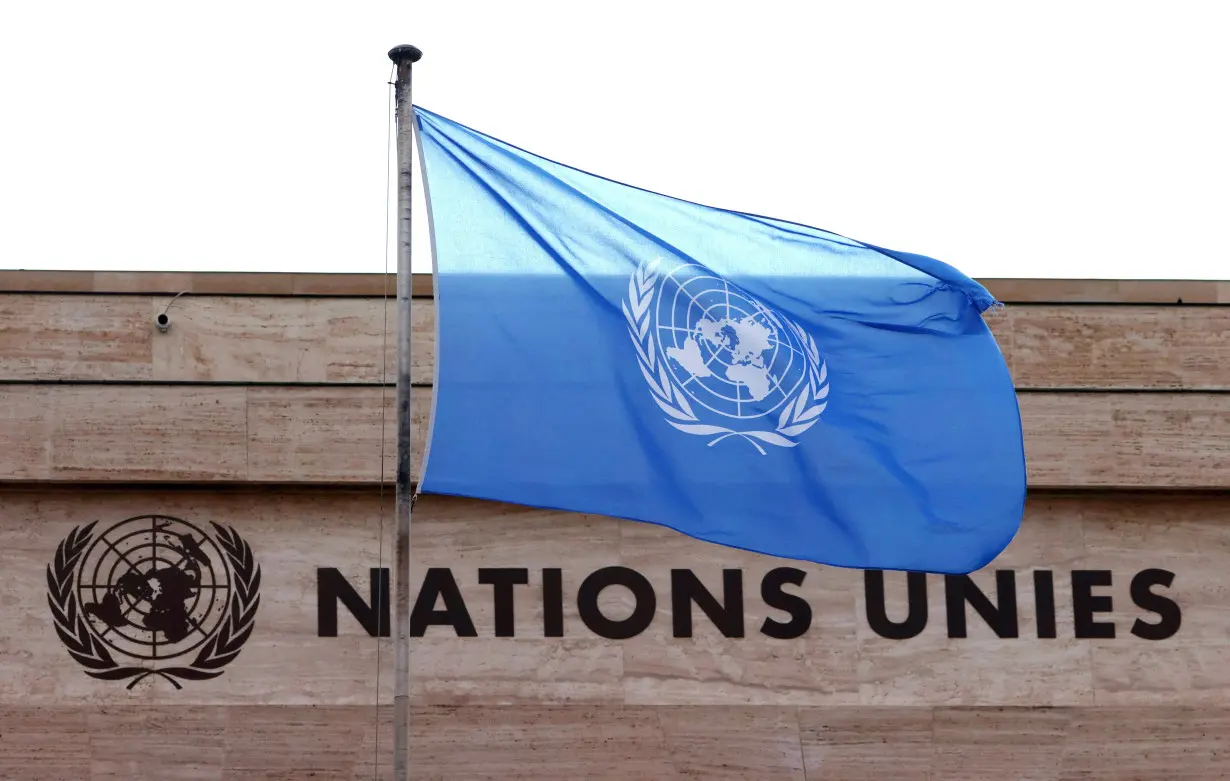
721, 363
153, 596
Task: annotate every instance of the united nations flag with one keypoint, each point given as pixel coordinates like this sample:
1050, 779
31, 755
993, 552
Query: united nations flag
744, 380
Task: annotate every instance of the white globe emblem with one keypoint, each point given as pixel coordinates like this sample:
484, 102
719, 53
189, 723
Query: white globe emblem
719, 362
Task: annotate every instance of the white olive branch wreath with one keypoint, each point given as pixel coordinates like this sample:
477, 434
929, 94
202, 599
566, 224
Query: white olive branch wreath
799, 413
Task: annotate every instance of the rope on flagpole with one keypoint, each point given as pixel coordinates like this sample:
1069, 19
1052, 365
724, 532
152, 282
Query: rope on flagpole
379, 605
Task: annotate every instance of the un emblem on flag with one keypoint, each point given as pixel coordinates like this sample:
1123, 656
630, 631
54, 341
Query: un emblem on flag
721, 363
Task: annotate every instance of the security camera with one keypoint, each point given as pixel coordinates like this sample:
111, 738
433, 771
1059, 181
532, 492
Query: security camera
163, 321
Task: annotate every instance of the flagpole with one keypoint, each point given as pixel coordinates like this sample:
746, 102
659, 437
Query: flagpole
404, 57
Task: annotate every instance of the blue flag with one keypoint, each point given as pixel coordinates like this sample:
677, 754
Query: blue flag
747, 381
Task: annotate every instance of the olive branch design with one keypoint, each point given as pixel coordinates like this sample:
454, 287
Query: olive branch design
90, 652
799, 413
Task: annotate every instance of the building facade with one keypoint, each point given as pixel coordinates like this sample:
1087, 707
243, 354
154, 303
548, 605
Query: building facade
196, 535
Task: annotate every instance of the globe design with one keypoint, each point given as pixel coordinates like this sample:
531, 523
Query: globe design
727, 351
153, 587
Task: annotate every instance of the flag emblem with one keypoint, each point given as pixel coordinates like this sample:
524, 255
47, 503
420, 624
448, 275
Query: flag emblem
718, 361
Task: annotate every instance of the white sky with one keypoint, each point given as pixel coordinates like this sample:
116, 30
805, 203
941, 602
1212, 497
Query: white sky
1040, 139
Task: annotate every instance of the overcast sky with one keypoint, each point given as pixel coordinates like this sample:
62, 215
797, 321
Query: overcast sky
1039, 139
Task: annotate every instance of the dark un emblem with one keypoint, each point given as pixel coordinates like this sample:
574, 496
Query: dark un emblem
153, 595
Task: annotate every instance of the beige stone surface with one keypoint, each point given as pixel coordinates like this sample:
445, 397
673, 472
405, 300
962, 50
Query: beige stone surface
327, 434
288, 339
26, 422
568, 742
292, 434
838, 661
179, 433
1121, 347
68, 337
1121, 440
838, 702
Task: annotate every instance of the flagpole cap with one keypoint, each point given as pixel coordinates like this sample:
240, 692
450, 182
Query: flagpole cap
405, 53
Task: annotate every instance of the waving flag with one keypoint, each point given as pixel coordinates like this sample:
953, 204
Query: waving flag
747, 381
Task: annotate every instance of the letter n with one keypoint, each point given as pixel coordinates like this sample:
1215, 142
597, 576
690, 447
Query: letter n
332, 587
961, 589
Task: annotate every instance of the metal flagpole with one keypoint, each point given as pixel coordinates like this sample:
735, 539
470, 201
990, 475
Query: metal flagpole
404, 57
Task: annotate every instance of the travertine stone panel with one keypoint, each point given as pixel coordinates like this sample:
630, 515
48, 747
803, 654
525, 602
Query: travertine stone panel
288, 340
259, 742
564, 743
179, 744
47, 744
975, 744
263, 339
1123, 440
840, 700
867, 743
543, 742
327, 434
1181, 743
171, 433
64, 337
735, 742
820, 637
334, 435
1121, 347
26, 427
